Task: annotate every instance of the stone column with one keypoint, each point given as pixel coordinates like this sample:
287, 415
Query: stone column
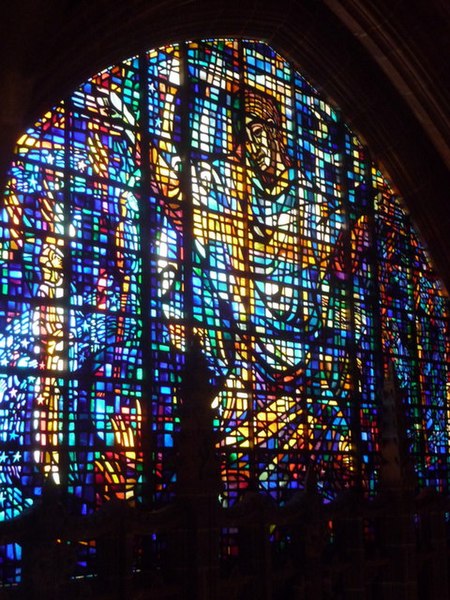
198, 480
397, 485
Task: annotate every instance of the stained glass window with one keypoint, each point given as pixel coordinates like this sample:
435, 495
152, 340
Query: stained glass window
207, 189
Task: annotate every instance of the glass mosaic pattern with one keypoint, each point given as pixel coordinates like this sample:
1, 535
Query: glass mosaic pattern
206, 189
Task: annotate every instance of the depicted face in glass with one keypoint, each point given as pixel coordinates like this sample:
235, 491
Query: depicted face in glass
51, 262
265, 148
262, 143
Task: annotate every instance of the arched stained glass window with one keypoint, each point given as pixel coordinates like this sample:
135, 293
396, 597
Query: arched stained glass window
206, 189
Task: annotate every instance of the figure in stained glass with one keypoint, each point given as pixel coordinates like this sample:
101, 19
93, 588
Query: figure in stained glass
249, 276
